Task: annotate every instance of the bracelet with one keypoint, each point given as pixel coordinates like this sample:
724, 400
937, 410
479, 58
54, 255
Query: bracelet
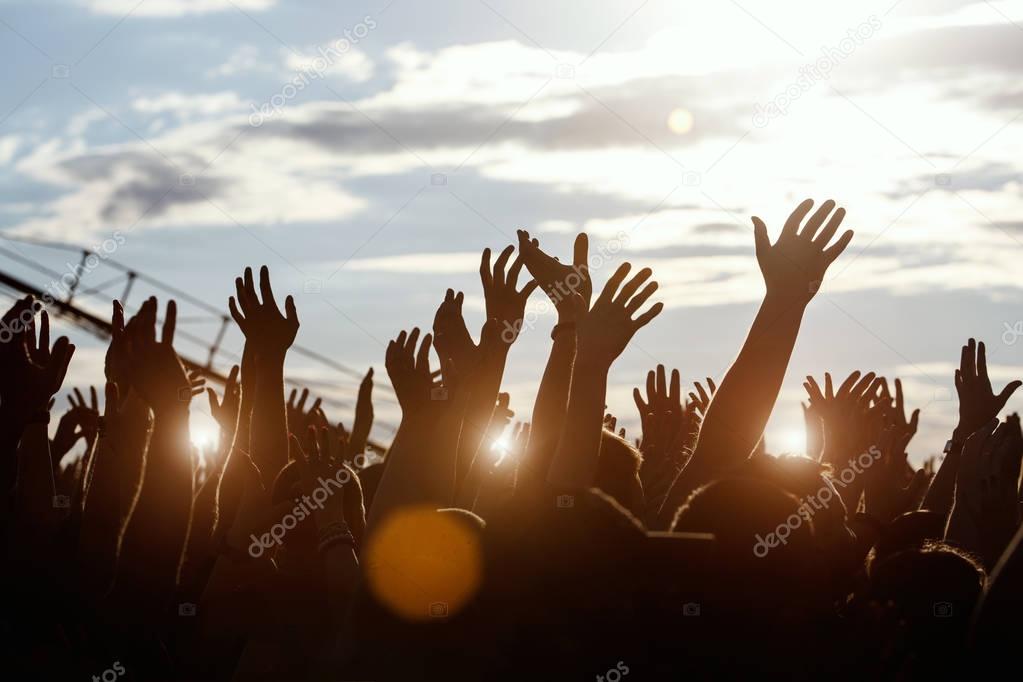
562, 327
334, 533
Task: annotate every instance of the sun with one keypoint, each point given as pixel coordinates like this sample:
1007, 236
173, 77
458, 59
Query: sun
790, 440
680, 121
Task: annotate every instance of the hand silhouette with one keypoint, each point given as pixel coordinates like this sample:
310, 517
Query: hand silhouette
81, 421
604, 331
363, 422
504, 303
794, 266
226, 411
32, 369
701, 402
270, 333
158, 375
451, 338
559, 280
978, 403
299, 418
410, 373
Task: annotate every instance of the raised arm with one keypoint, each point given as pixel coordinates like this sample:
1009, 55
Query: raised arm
560, 281
271, 334
601, 336
793, 268
978, 405
157, 532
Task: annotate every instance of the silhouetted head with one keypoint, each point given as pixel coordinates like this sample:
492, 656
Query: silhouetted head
618, 472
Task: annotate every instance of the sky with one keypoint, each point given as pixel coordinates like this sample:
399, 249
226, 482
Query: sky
368, 151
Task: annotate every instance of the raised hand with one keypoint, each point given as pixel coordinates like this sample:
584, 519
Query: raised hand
700, 403
450, 336
986, 511
33, 371
794, 266
978, 403
604, 331
410, 373
81, 421
159, 377
270, 332
559, 280
504, 303
315, 465
892, 487
838, 411
363, 423
299, 418
662, 417
226, 411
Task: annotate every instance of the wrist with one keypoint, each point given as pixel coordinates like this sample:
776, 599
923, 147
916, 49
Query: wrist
787, 300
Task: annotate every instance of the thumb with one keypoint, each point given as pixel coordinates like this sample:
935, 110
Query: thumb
763, 243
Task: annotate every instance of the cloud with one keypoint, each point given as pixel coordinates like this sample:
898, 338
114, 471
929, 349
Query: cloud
354, 65
173, 8
244, 59
416, 263
186, 106
8, 147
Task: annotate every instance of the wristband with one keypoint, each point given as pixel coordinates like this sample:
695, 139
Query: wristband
334, 533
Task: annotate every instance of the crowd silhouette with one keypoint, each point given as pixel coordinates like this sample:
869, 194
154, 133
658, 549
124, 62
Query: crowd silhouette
475, 548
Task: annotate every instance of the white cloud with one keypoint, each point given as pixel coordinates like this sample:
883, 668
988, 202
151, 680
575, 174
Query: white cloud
8, 146
354, 65
244, 59
415, 263
186, 106
173, 8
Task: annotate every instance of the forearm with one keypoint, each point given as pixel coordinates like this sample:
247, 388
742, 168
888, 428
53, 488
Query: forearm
101, 521
480, 410
421, 472
941, 492
269, 424
158, 530
575, 462
737, 415
35, 484
549, 411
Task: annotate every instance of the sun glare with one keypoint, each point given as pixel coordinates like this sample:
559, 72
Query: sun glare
680, 121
